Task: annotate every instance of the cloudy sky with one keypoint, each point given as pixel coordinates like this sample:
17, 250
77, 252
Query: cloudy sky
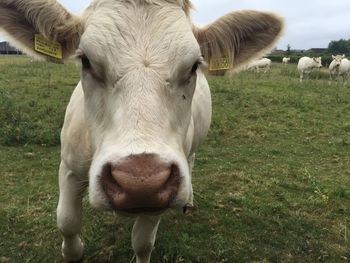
309, 23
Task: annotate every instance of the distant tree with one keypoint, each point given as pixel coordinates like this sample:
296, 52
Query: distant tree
288, 50
341, 46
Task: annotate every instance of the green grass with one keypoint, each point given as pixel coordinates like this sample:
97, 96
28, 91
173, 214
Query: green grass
271, 182
33, 96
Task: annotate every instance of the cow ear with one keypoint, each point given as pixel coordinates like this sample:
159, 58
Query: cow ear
21, 20
333, 57
241, 36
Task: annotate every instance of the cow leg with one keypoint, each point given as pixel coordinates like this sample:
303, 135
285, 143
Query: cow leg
143, 237
69, 213
301, 77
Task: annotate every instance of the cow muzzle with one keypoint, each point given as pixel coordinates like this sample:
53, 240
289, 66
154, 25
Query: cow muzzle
141, 183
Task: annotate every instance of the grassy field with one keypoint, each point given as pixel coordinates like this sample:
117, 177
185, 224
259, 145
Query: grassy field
272, 182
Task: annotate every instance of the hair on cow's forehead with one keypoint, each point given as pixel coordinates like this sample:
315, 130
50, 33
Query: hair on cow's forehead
122, 35
185, 4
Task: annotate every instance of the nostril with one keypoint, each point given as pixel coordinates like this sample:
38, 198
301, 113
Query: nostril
109, 183
174, 177
171, 186
141, 183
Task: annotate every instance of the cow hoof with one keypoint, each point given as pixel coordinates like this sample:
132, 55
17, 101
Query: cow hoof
73, 253
188, 209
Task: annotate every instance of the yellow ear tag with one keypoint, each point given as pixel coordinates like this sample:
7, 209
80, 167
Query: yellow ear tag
220, 64
47, 47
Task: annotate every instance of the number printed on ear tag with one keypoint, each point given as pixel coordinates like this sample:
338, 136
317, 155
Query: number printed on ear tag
220, 64
47, 47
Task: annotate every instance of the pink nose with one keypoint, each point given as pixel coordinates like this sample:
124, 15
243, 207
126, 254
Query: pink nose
141, 183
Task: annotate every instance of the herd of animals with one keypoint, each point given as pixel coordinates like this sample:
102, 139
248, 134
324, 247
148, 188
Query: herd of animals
339, 67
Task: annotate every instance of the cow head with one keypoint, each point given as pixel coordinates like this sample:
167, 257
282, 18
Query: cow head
317, 62
140, 64
337, 60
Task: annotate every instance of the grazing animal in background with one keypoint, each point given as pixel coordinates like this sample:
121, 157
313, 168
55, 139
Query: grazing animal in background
285, 60
306, 65
344, 69
334, 66
143, 105
264, 63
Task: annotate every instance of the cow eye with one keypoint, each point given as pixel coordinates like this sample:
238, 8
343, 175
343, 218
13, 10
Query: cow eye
195, 67
85, 62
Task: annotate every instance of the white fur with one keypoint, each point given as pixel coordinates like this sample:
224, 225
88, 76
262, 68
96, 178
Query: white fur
344, 69
264, 63
334, 66
141, 107
285, 60
306, 65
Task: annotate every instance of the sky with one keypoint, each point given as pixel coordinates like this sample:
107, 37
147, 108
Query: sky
309, 23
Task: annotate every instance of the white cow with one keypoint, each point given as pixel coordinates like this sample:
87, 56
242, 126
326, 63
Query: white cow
285, 60
344, 69
143, 105
264, 63
306, 65
334, 66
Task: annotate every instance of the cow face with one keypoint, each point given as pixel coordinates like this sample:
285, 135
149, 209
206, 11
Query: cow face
317, 62
337, 60
139, 77
140, 65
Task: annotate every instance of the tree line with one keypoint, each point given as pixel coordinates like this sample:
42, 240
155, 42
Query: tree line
335, 47
341, 46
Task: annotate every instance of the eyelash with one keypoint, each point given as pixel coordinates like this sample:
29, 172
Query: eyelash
196, 65
85, 62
